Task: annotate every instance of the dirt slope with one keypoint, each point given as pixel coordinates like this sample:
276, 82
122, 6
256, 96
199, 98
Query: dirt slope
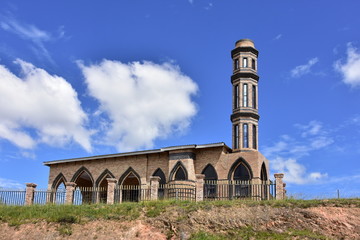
332, 222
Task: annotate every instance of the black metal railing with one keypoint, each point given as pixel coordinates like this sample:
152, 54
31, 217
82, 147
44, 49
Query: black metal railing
238, 189
132, 193
178, 191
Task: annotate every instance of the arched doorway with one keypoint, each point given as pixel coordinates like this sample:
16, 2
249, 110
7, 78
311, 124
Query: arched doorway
102, 186
84, 192
210, 181
264, 183
58, 190
162, 182
130, 186
240, 175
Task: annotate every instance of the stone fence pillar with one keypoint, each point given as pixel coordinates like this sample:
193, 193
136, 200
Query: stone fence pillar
280, 191
30, 192
70, 188
199, 187
111, 190
154, 187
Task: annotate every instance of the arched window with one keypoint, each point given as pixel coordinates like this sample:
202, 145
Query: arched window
130, 186
245, 95
179, 172
58, 190
263, 175
210, 181
264, 185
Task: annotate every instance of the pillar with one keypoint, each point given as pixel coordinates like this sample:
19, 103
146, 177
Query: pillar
110, 190
30, 192
279, 186
70, 188
154, 187
199, 187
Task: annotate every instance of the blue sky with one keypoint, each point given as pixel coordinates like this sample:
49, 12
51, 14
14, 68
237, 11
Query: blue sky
61, 98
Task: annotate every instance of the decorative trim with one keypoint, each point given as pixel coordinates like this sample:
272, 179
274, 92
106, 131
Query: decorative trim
183, 155
102, 175
244, 49
236, 164
244, 114
174, 171
126, 173
79, 172
57, 180
244, 75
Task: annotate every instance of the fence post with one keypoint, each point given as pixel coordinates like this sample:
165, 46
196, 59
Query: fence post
110, 190
70, 188
279, 186
30, 192
199, 187
256, 193
154, 187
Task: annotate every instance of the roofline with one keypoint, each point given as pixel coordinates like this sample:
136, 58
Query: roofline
166, 149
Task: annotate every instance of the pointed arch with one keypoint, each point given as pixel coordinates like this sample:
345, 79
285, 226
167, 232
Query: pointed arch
60, 178
178, 172
236, 165
102, 176
80, 172
128, 172
158, 172
263, 173
209, 172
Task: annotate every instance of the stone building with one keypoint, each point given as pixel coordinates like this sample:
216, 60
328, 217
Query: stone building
185, 164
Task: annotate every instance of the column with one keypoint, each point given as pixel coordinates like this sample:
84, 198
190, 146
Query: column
70, 188
30, 192
111, 190
154, 187
279, 186
199, 187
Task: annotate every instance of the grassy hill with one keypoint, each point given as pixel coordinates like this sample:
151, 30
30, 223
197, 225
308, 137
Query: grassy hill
288, 219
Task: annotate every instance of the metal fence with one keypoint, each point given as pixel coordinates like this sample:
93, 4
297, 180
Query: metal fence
213, 190
237, 189
12, 197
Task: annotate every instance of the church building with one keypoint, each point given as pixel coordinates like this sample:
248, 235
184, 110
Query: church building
184, 164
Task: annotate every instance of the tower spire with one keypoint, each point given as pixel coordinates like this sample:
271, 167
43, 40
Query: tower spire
244, 79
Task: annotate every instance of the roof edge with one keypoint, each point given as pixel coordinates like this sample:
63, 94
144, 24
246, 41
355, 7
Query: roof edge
166, 149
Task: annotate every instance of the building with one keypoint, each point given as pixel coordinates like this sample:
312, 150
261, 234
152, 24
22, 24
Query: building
242, 163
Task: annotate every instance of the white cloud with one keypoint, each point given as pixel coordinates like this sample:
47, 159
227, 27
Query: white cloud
278, 37
144, 101
304, 69
310, 129
10, 184
294, 171
30, 32
351, 68
40, 108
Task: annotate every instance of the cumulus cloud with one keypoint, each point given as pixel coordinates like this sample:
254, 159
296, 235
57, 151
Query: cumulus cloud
143, 101
40, 108
294, 171
350, 69
301, 70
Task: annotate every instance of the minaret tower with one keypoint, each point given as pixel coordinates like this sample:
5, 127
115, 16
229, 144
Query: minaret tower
244, 79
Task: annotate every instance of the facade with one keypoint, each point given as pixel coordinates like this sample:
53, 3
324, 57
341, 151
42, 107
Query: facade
185, 164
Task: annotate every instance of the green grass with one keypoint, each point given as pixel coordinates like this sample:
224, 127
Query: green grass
249, 233
68, 214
